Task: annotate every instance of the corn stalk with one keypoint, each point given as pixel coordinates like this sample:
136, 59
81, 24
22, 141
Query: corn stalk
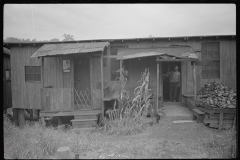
133, 108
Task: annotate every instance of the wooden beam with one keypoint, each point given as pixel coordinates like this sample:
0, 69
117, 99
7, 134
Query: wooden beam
220, 120
42, 71
157, 82
101, 63
15, 116
161, 82
194, 81
112, 56
175, 60
21, 117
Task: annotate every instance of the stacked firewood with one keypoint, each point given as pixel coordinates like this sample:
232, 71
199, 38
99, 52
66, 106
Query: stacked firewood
217, 95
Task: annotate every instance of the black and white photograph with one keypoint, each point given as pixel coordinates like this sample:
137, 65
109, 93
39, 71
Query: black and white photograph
119, 81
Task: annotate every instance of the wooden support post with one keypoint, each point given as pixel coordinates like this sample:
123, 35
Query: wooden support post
31, 115
43, 121
101, 63
194, 82
21, 117
157, 83
234, 121
42, 71
59, 120
38, 114
121, 75
220, 120
15, 116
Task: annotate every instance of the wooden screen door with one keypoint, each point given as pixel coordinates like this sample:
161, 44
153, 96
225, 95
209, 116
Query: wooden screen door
82, 85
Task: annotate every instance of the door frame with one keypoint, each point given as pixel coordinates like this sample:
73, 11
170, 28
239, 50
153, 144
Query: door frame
161, 79
78, 57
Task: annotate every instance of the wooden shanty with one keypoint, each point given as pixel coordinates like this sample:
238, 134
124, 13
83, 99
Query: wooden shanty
7, 95
72, 80
77, 77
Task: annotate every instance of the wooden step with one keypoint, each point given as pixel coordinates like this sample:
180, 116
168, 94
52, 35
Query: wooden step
198, 114
86, 116
81, 123
77, 130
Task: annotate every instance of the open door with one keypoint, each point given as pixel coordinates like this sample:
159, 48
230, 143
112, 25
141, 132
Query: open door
82, 87
166, 67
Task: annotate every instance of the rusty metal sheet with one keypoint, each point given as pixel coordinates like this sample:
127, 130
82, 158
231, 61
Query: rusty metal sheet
69, 48
172, 52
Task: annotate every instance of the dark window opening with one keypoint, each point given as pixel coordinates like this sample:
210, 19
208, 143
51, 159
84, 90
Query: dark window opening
32, 73
8, 75
211, 60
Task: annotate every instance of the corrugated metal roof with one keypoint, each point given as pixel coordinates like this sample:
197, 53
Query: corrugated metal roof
183, 52
119, 39
5, 50
69, 48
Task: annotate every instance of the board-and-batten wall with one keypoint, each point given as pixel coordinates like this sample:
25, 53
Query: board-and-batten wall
7, 95
54, 75
227, 60
24, 94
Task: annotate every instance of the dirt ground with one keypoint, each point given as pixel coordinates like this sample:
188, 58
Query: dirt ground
162, 140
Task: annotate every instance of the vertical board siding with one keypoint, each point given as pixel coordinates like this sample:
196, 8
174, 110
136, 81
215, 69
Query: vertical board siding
53, 73
24, 94
96, 82
56, 99
7, 95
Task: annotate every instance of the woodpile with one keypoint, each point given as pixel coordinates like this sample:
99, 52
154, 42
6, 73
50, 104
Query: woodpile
217, 95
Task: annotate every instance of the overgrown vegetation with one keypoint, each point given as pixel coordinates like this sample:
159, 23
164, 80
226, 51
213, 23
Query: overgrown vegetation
37, 141
223, 146
132, 111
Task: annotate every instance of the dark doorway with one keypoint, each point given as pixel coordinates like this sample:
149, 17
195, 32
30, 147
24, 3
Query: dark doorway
82, 78
166, 67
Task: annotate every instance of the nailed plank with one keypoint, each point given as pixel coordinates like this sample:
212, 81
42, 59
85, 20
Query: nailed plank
182, 121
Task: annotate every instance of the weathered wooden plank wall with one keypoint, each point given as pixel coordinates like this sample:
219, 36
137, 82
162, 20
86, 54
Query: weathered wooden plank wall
96, 81
56, 99
24, 94
227, 59
53, 72
7, 94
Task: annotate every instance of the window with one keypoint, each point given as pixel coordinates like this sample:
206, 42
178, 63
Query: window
211, 60
115, 64
32, 73
8, 75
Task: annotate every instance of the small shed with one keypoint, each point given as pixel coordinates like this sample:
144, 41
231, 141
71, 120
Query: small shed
72, 80
7, 94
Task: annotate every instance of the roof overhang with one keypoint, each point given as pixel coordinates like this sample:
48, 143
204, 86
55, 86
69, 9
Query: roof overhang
69, 48
179, 53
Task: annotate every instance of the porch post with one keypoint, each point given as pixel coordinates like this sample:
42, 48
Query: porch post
194, 80
42, 72
121, 75
157, 84
101, 63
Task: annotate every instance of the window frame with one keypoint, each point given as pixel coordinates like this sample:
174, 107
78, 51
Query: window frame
208, 61
34, 74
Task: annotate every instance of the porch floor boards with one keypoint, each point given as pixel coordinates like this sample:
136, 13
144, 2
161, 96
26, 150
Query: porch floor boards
69, 113
176, 111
